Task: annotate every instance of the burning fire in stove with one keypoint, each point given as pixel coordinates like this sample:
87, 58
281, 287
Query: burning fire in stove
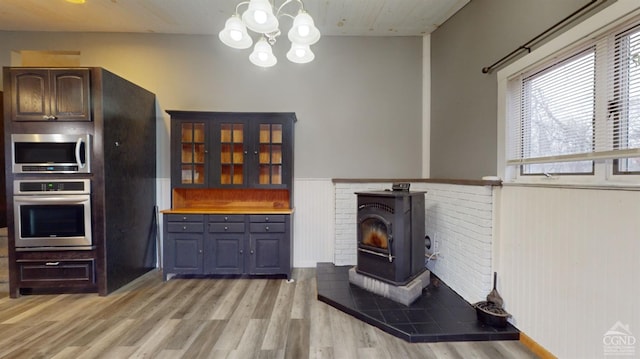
375, 235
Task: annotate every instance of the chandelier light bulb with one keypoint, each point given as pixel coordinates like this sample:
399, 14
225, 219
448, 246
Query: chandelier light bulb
300, 54
236, 35
303, 30
262, 54
260, 16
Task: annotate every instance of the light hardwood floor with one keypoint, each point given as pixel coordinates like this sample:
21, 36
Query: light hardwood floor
209, 318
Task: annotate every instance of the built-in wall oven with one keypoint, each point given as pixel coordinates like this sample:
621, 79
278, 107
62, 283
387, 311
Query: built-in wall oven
52, 214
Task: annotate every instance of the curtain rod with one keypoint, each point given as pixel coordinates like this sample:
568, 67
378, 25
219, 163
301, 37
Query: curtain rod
527, 45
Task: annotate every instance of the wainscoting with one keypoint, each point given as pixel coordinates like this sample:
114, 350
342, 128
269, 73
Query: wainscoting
569, 260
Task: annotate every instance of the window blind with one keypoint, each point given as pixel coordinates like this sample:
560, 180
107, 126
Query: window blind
580, 107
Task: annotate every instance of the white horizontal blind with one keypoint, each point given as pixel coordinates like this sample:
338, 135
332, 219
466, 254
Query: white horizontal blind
578, 108
624, 95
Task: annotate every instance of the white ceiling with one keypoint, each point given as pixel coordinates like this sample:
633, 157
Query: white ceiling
332, 17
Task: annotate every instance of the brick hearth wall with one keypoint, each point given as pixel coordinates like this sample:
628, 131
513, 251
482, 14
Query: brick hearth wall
459, 219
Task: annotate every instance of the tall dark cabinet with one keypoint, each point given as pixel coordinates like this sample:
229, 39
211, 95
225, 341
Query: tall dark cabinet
120, 119
232, 194
3, 181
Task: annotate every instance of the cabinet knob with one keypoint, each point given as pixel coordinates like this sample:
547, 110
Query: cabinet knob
184, 228
226, 218
226, 228
241, 251
266, 228
266, 219
199, 250
184, 218
245, 152
251, 251
255, 152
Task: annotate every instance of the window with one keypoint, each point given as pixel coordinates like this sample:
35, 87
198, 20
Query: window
578, 114
557, 115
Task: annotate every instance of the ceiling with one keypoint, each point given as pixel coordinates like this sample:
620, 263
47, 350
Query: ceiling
332, 17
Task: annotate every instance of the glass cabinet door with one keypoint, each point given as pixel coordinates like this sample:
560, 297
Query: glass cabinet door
270, 154
232, 153
192, 162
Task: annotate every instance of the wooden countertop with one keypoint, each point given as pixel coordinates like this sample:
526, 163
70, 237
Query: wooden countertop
228, 210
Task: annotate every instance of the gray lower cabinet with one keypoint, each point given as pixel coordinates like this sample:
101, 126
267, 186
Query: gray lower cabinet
224, 246
227, 244
183, 244
268, 243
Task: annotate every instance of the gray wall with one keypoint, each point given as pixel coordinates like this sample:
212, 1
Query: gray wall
463, 99
358, 104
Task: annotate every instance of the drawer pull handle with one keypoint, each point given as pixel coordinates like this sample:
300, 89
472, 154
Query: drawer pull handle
52, 264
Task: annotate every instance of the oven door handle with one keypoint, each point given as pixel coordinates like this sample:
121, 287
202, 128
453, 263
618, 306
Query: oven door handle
62, 199
78, 145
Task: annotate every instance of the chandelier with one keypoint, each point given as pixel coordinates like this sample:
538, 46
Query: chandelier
262, 17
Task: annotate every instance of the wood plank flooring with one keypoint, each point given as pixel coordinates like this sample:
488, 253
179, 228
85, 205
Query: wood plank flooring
209, 318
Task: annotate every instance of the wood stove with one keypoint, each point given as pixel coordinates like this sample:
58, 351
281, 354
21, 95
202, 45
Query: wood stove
391, 227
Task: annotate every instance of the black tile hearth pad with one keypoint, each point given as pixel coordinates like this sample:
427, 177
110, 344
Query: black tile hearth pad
438, 315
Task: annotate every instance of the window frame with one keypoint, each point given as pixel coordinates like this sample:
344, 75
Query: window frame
617, 17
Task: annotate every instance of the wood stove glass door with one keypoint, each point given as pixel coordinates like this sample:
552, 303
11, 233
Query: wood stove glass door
376, 236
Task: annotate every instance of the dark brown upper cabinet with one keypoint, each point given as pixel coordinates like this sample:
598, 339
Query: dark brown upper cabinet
50, 94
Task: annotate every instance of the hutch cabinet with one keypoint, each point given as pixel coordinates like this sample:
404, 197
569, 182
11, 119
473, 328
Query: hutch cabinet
232, 194
50, 94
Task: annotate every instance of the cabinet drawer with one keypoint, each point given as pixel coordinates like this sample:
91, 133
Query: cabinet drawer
67, 272
226, 218
185, 227
226, 227
185, 218
266, 218
267, 227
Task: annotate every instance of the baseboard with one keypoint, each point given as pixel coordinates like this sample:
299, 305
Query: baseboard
536, 348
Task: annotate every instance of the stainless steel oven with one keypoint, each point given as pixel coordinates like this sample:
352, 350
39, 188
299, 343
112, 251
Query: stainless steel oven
52, 214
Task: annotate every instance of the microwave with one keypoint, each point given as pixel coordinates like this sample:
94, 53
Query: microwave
51, 153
